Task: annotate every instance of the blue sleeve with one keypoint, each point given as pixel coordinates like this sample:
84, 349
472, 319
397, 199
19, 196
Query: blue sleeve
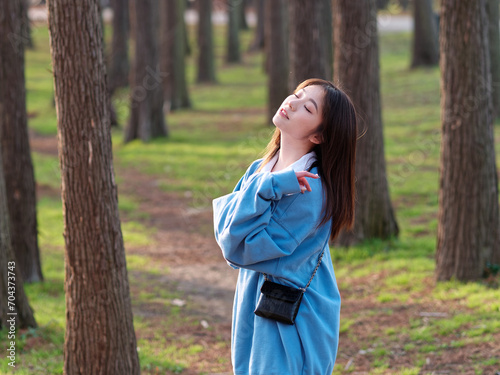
241, 219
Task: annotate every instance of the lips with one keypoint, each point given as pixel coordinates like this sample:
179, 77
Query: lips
284, 113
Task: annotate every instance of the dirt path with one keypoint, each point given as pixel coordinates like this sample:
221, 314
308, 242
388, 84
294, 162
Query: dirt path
184, 243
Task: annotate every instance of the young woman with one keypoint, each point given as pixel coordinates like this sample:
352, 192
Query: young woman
277, 222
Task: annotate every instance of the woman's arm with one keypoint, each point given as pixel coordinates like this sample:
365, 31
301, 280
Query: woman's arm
242, 218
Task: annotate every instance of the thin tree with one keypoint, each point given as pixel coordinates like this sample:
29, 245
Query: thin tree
233, 28
243, 24
206, 60
100, 337
259, 36
382, 4
468, 219
173, 54
277, 54
14, 308
17, 163
146, 108
357, 68
119, 65
26, 24
425, 35
310, 40
494, 43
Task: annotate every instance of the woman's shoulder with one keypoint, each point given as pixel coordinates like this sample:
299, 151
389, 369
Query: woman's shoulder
253, 167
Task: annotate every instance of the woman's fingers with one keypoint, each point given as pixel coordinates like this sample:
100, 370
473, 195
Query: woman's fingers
304, 184
306, 174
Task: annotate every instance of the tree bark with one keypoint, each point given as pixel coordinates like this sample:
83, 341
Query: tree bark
17, 163
180, 95
146, 115
310, 41
173, 54
259, 38
26, 24
100, 337
119, 62
425, 35
494, 43
382, 4
206, 61
243, 25
404, 4
277, 55
468, 218
357, 68
15, 310
233, 27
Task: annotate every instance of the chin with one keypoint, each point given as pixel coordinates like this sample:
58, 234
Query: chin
277, 120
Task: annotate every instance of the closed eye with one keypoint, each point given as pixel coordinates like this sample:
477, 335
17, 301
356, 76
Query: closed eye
308, 110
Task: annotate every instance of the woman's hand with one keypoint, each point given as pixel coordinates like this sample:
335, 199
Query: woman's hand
301, 177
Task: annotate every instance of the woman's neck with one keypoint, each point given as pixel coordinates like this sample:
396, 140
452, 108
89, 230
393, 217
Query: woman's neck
290, 152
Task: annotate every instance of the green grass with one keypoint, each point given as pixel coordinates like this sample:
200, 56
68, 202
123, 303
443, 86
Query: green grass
209, 149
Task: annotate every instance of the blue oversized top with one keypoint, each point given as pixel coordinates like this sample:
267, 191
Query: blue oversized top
267, 226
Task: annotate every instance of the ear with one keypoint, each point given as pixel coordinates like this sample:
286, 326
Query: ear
316, 138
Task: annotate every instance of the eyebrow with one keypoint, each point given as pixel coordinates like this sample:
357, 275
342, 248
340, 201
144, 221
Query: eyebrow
312, 100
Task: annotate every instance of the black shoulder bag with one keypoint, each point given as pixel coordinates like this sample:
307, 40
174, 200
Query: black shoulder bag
280, 302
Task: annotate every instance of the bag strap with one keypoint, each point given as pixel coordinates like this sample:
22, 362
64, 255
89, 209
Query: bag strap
315, 270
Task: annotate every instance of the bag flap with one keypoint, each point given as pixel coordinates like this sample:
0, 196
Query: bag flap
281, 292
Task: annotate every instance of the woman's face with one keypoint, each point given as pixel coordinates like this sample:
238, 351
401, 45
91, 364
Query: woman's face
301, 113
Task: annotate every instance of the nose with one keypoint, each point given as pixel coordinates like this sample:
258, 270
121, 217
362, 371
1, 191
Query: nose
292, 105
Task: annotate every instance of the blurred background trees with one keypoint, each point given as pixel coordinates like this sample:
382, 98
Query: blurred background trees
276, 24
119, 66
206, 59
14, 143
425, 50
19, 260
146, 105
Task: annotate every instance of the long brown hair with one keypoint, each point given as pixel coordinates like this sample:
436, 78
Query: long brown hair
336, 154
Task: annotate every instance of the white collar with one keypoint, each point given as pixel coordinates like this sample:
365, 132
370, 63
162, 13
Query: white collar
300, 165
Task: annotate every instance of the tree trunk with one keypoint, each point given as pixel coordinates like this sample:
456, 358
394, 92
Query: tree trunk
15, 310
468, 221
17, 163
233, 27
26, 24
425, 35
100, 337
243, 25
259, 38
277, 55
146, 115
404, 4
168, 24
180, 95
382, 4
119, 62
310, 41
494, 43
357, 68
206, 61
173, 54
